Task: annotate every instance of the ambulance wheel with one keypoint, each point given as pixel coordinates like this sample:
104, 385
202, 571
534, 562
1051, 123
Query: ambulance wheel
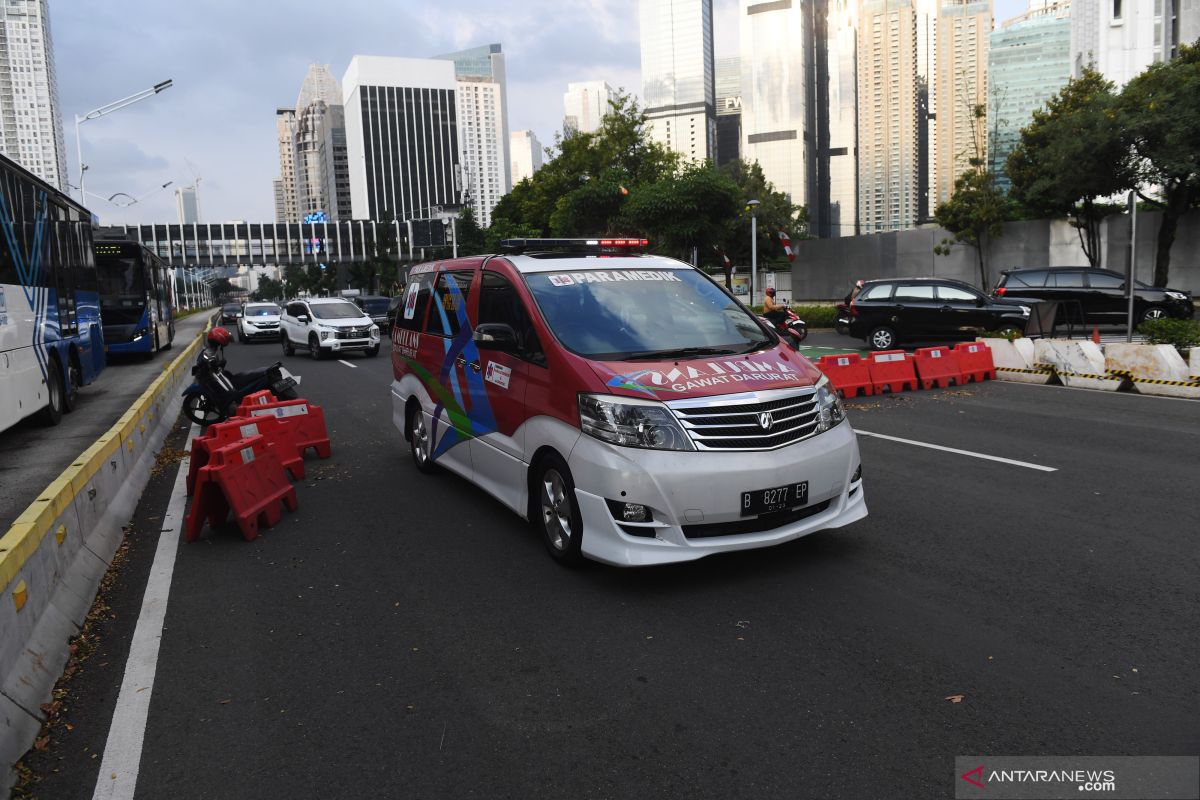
419, 441
557, 511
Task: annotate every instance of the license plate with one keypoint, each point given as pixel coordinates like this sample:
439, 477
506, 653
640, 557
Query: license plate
781, 498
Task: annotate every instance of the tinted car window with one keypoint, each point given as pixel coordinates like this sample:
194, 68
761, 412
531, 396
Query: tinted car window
1105, 280
500, 303
954, 293
879, 291
913, 293
411, 315
1035, 278
1066, 280
336, 311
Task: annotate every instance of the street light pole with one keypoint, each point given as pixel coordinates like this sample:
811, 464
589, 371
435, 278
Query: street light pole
753, 206
95, 113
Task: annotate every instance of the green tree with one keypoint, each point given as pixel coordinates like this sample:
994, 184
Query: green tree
1160, 111
295, 280
775, 213
471, 238
1072, 156
268, 289
222, 289
975, 214
685, 211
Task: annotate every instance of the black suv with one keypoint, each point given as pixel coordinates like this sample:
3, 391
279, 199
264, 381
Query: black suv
885, 312
376, 308
1096, 294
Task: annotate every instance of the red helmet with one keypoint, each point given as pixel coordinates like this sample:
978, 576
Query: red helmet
219, 337
771, 291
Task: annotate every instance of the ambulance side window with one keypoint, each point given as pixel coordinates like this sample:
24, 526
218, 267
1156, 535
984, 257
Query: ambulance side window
449, 311
410, 315
500, 302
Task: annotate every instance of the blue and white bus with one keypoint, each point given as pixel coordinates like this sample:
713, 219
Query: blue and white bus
50, 334
135, 298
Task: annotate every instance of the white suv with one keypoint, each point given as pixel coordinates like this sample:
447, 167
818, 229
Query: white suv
258, 321
325, 325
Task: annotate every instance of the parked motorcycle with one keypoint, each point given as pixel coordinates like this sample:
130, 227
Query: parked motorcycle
790, 327
842, 322
215, 395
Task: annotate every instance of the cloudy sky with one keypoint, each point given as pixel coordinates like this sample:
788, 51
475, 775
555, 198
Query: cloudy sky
234, 62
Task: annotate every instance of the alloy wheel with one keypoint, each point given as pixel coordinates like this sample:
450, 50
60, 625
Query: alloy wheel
556, 509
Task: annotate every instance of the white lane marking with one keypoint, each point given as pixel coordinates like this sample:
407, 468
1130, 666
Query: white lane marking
1015, 463
123, 750
348, 364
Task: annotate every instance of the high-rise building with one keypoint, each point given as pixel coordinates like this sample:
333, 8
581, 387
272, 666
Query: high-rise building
31, 131
401, 136
187, 205
677, 75
777, 131
1120, 38
926, 21
319, 140
728, 83
526, 155
888, 167
1029, 60
839, 149
585, 105
963, 29
286, 205
482, 97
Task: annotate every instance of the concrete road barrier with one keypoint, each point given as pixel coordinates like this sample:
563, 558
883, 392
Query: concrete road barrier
1194, 363
1015, 361
56, 552
1153, 368
1077, 363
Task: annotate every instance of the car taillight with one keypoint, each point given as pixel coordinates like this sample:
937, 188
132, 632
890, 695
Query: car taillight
853, 309
1000, 290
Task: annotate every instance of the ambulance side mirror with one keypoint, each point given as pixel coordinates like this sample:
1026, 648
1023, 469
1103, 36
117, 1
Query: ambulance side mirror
495, 336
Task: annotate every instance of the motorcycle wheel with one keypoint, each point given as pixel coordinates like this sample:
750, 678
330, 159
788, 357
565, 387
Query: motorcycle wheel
798, 333
841, 330
197, 408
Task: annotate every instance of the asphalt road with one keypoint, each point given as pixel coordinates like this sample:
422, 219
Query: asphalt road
403, 635
32, 455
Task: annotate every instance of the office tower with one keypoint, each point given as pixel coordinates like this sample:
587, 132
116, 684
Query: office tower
776, 129
963, 29
1120, 38
286, 205
319, 138
585, 106
1029, 60
187, 205
926, 16
677, 75
526, 156
31, 130
728, 83
839, 151
887, 115
401, 136
482, 98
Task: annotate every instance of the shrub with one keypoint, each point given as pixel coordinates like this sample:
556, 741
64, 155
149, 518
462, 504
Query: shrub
1010, 335
813, 316
1182, 333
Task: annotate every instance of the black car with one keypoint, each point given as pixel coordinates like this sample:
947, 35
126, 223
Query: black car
891, 310
1093, 296
231, 313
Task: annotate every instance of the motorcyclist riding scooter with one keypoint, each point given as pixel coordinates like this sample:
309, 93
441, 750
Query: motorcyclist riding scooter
785, 321
215, 394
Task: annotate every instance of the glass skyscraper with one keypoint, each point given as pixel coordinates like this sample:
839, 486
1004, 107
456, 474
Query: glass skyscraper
1029, 60
728, 82
31, 130
677, 75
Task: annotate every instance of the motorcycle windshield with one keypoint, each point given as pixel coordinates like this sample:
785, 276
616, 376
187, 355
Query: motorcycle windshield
644, 314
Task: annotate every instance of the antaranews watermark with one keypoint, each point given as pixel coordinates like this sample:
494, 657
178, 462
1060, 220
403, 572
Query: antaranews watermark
1075, 777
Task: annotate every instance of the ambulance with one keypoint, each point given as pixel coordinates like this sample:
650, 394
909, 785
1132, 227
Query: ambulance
626, 404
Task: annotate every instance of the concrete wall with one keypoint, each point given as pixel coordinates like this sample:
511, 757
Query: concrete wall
825, 269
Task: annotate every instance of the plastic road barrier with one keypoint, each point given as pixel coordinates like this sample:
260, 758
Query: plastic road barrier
306, 419
278, 436
258, 398
937, 366
975, 361
848, 373
892, 370
247, 478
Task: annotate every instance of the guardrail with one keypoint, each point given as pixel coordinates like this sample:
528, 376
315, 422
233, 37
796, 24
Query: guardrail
54, 555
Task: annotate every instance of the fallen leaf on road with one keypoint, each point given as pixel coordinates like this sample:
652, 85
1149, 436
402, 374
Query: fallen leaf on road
42, 743
224, 702
956, 698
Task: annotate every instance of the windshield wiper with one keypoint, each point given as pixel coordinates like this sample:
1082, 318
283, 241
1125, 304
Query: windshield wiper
679, 352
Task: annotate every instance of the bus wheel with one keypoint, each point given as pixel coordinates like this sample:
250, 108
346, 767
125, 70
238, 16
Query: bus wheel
74, 381
52, 413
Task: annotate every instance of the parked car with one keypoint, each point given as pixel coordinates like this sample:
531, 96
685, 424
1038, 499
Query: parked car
1096, 294
325, 326
626, 404
258, 321
376, 308
230, 313
888, 311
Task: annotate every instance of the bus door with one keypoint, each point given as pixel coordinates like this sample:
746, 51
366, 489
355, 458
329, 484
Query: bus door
58, 263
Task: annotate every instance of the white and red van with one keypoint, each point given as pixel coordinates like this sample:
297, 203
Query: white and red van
626, 404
